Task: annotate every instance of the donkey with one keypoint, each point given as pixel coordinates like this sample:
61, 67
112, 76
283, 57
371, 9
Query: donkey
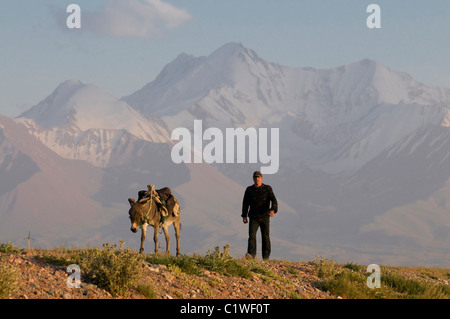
145, 212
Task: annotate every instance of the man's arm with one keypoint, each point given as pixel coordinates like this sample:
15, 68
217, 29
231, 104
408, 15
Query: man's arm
273, 200
245, 204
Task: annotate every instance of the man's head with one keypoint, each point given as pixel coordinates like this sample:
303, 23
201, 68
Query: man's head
257, 178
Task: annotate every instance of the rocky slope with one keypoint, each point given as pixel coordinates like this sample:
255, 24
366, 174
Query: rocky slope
40, 278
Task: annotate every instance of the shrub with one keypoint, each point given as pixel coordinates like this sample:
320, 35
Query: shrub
224, 263
185, 263
115, 270
402, 285
8, 248
325, 268
53, 260
352, 266
147, 290
410, 288
351, 282
8, 281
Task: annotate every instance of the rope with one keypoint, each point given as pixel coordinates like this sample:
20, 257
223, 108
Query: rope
145, 217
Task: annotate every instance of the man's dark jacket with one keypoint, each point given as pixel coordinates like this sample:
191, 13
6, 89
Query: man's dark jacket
258, 199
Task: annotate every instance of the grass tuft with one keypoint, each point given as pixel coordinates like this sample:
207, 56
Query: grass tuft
8, 281
350, 281
115, 270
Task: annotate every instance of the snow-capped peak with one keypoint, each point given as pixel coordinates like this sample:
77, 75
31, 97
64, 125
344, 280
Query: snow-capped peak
83, 107
85, 122
231, 51
55, 109
187, 79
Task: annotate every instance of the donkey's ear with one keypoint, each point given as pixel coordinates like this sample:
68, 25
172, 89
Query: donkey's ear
131, 201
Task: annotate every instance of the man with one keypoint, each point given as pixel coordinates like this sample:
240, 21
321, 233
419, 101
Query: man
263, 205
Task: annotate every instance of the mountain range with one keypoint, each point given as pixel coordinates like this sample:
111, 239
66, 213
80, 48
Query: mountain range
364, 160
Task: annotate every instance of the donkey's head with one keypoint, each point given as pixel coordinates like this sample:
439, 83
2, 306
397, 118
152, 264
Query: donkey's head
137, 212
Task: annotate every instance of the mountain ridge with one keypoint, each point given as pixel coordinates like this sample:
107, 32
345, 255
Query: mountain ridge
345, 133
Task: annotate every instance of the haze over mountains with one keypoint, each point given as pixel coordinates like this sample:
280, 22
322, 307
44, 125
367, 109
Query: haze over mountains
364, 170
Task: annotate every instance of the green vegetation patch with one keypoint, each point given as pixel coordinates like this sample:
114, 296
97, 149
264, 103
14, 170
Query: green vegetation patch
115, 270
350, 281
9, 248
217, 261
8, 281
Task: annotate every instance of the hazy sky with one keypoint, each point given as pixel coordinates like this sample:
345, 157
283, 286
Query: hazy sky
124, 44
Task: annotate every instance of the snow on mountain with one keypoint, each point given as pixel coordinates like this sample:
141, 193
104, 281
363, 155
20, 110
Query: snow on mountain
188, 80
338, 119
81, 121
83, 107
56, 109
235, 74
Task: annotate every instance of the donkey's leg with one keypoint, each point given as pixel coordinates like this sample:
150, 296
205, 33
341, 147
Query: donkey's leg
176, 226
166, 233
143, 232
155, 238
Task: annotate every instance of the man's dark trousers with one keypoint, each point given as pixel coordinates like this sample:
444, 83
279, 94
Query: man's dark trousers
254, 223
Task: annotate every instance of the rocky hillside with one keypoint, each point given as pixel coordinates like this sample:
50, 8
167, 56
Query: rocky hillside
41, 274
39, 278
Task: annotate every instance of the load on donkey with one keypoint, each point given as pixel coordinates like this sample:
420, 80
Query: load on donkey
158, 208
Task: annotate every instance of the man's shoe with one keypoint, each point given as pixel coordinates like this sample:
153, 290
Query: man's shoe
249, 257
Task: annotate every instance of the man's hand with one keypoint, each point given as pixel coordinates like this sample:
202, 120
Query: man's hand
244, 219
272, 213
